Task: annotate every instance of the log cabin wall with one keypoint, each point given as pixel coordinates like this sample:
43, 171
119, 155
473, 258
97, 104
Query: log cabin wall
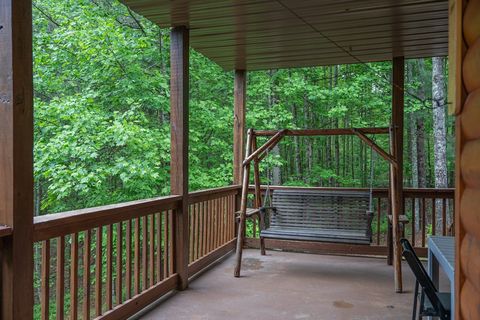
466, 42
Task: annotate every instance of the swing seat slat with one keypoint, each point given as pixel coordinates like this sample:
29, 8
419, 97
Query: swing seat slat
326, 216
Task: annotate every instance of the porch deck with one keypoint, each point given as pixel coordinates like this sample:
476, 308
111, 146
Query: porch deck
285, 285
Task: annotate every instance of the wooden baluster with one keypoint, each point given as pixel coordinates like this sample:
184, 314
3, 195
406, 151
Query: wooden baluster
190, 233
60, 283
98, 272
136, 267
151, 255
119, 272
232, 217
214, 226
159, 247
211, 224
108, 285
45, 278
217, 223
413, 221
197, 231
224, 219
444, 216
86, 274
172, 235
207, 228
378, 219
434, 213
74, 278
424, 224
166, 243
128, 260
203, 227
220, 221
145, 253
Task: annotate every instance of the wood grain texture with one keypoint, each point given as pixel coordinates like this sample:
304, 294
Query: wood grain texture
463, 194
179, 96
271, 34
239, 111
16, 158
324, 248
396, 172
74, 277
54, 225
60, 281
132, 306
45, 298
470, 165
470, 116
471, 67
86, 274
322, 132
119, 265
470, 253
471, 27
98, 271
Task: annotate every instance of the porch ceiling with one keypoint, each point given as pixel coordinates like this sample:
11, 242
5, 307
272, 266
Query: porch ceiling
267, 34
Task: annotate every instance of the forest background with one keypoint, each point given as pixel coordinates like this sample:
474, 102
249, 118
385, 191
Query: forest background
102, 134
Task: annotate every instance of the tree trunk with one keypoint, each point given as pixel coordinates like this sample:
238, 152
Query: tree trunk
276, 171
414, 148
422, 167
439, 131
308, 140
296, 149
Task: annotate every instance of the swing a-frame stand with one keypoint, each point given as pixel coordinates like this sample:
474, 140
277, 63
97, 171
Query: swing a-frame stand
255, 154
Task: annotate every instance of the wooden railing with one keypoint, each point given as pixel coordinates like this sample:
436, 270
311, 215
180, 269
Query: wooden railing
212, 225
423, 208
110, 262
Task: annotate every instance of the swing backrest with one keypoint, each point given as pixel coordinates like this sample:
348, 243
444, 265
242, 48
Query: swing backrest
336, 215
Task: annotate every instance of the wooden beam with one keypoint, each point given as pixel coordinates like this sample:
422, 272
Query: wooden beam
269, 144
179, 96
316, 247
375, 147
243, 208
322, 132
16, 158
240, 98
396, 172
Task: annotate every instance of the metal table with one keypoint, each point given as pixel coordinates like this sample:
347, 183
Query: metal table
441, 253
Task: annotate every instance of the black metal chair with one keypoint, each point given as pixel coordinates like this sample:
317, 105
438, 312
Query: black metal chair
436, 304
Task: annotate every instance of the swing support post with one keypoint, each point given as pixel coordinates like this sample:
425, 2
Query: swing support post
243, 207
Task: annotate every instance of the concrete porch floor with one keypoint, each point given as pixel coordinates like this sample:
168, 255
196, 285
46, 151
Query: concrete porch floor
285, 285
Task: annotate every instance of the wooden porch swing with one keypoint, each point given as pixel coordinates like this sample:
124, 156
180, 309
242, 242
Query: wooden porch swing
307, 215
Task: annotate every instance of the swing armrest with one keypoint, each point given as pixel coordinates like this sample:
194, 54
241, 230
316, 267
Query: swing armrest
265, 209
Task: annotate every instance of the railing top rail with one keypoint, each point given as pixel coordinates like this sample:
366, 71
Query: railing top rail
59, 224
447, 193
5, 231
207, 194
64, 223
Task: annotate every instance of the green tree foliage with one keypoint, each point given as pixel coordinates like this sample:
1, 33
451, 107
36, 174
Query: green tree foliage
102, 130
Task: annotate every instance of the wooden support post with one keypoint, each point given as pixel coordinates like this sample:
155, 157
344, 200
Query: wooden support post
243, 208
16, 158
179, 89
239, 111
240, 95
266, 146
258, 194
396, 172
